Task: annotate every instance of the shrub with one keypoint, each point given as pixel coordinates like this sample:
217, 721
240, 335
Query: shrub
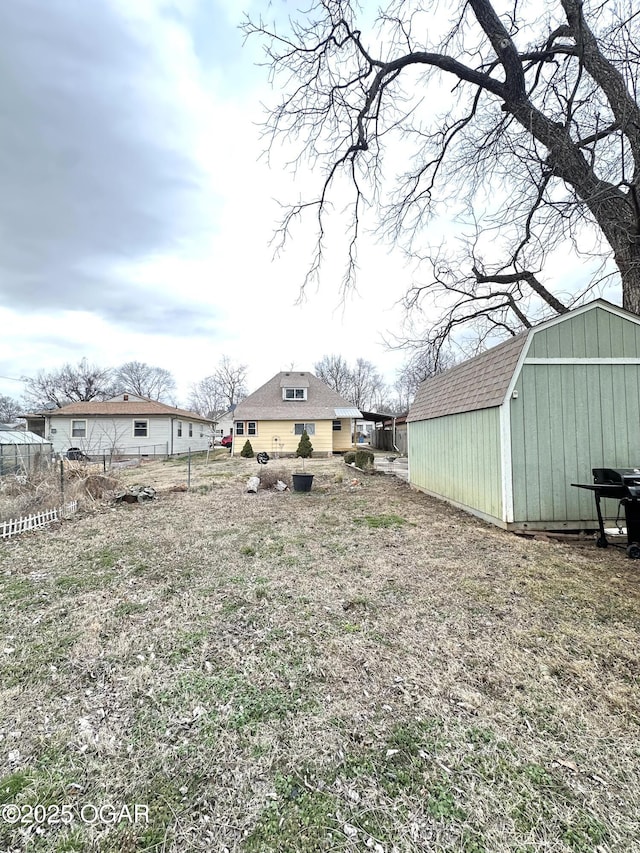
247, 450
364, 459
270, 476
350, 457
305, 448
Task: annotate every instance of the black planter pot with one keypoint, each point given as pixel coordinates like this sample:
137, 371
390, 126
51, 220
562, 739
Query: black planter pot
302, 482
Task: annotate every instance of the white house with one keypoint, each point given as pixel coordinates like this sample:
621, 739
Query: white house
125, 425
224, 424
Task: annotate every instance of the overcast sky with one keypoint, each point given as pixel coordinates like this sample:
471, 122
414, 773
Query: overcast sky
135, 215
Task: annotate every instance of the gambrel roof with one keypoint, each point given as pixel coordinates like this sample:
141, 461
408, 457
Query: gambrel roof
478, 383
482, 382
322, 403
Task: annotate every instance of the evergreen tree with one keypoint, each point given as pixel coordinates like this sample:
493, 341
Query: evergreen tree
305, 448
247, 450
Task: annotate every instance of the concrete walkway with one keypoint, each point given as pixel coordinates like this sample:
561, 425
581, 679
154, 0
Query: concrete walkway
393, 465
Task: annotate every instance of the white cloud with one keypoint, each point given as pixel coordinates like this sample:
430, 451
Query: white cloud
139, 213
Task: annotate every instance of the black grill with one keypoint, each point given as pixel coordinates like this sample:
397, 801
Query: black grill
623, 485
627, 478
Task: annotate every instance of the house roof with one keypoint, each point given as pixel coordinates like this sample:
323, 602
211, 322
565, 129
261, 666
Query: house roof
294, 379
130, 408
322, 403
479, 383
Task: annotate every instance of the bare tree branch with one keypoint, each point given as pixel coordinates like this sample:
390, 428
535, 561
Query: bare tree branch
539, 144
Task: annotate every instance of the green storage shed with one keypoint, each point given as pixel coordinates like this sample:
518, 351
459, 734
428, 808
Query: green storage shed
503, 435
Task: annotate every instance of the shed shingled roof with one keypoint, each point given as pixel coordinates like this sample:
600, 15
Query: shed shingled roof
479, 383
266, 404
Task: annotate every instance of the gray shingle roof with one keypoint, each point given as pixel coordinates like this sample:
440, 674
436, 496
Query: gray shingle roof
479, 383
266, 404
294, 379
131, 408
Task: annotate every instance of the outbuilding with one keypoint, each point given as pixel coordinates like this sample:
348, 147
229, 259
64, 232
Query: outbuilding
22, 451
505, 434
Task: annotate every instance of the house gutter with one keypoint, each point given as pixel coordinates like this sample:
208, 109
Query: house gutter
171, 449
393, 437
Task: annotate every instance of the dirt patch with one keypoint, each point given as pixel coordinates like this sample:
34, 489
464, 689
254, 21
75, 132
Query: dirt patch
359, 667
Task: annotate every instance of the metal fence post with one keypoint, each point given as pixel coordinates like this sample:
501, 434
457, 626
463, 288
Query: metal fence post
189, 469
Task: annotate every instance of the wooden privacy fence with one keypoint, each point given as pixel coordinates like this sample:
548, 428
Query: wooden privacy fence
39, 519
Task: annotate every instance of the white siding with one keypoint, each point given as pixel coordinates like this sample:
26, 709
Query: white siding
115, 435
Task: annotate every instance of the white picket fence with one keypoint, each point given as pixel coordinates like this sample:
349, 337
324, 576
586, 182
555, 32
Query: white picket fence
39, 519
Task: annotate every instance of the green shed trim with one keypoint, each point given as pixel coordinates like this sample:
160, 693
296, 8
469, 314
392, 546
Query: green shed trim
582, 361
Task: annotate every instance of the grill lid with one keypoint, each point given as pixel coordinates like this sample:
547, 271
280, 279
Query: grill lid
628, 478
616, 476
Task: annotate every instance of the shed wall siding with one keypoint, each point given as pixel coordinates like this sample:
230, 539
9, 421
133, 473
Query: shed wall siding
458, 458
592, 334
566, 420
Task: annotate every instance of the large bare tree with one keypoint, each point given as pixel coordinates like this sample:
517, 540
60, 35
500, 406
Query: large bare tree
334, 372
68, 384
361, 384
216, 393
206, 398
9, 409
156, 383
522, 118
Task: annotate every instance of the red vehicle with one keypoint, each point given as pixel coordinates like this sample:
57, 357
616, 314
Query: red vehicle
227, 441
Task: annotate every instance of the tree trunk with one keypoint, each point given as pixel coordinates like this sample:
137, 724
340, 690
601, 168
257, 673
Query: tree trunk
628, 260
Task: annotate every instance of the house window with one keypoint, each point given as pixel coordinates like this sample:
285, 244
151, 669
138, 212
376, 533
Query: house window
190, 430
336, 426
252, 428
79, 429
310, 429
179, 429
141, 429
239, 427
294, 393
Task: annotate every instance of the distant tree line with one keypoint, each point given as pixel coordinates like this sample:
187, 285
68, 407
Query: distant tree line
85, 381
360, 383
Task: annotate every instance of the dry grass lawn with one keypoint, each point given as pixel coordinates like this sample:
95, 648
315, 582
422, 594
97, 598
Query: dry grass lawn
357, 668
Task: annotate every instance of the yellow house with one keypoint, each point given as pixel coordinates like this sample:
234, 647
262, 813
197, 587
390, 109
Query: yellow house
274, 417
